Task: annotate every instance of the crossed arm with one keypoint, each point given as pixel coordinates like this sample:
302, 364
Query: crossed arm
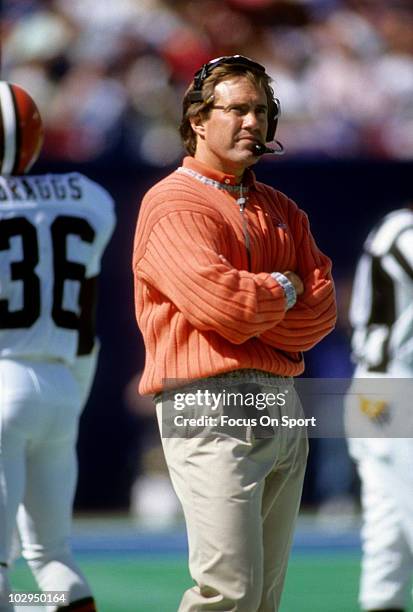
187, 268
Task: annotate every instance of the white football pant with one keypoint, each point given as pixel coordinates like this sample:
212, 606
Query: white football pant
40, 405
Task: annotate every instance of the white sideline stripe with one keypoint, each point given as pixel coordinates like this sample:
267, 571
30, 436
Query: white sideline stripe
9, 128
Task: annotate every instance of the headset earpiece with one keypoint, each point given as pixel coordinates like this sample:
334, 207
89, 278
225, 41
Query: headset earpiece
273, 116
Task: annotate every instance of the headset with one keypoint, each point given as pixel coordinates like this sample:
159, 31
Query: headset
236, 60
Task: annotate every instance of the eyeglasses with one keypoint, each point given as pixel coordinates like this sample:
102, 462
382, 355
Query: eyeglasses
242, 109
206, 69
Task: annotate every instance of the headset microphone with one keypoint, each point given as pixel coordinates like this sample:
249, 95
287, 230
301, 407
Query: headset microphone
260, 149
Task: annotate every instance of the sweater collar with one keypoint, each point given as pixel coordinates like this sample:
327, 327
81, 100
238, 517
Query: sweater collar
223, 180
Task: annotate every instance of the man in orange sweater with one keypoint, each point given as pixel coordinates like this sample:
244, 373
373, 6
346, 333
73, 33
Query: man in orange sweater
230, 288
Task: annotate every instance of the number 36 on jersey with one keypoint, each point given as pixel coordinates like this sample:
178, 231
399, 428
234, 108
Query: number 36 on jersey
53, 231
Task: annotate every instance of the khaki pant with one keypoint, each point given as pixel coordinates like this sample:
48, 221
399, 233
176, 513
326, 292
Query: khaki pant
240, 499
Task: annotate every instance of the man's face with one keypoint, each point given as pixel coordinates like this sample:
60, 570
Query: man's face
226, 139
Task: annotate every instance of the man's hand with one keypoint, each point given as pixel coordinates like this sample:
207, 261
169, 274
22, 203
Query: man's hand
296, 281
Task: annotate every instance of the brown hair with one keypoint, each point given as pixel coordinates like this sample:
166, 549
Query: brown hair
218, 74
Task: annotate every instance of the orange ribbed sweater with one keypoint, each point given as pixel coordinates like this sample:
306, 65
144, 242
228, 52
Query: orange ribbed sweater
201, 315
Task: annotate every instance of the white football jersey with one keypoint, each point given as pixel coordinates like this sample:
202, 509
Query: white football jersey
53, 231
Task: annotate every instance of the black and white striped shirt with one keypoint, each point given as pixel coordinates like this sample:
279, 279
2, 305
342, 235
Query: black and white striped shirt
381, 311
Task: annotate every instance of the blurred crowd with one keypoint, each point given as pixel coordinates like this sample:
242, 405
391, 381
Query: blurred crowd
109, 76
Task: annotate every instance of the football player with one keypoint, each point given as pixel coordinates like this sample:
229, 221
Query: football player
53, 231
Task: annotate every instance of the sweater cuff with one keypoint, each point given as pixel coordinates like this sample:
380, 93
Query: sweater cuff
289, 289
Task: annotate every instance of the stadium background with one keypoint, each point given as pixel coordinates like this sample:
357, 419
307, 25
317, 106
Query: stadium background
108, 78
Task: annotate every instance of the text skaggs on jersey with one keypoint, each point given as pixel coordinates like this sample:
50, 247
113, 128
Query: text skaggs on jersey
44, 187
